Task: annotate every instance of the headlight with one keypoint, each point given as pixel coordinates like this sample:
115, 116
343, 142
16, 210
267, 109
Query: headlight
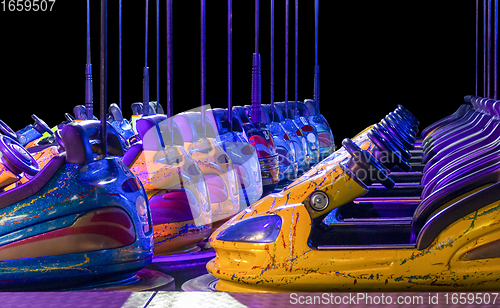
318, 200
261, 229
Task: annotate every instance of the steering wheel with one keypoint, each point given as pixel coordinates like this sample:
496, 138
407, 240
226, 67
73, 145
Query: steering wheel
6, 130
393, 141
388, 152
403, 125
69, 117
17, 158
392, 128
41, 126
366, 167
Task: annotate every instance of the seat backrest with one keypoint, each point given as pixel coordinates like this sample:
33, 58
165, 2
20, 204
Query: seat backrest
153, 106
464, 142
191, 128
445, 129
481, 176
188, 131
270, 115
136, 108
218, 119
241, 114
132, 154
472, 151
265, 118
311, 106
278, 111
210, 129
81, 140
424, 237
115, 112
154, 131
79, 112
290, 109
302, 110
459, 167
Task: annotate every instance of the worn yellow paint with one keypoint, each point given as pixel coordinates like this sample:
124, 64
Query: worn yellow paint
290, 264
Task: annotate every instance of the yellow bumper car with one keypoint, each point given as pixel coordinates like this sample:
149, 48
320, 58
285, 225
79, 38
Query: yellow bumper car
283, 243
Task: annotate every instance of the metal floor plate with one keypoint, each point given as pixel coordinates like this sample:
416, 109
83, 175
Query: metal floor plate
164, 299
80, 299
174, 299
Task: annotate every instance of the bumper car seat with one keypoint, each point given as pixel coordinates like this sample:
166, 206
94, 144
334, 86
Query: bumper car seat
288, 165
262, 141
298, 140
309, 131
325, 135
122, 125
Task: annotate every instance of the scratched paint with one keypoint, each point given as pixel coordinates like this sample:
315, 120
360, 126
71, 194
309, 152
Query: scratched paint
438, 267
166, 169
178, 237
289, 264
60, 204
288, 253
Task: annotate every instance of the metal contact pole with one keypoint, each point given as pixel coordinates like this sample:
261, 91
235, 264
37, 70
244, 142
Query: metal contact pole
272, 51
286, 55
272, 59
296, 57
477, 45
203, 66
103, 71
145, 74
120, 37
495, 57
230, 64
256, 78
157, 56
316, 66
484, 49
256, 37
488, 66
88, 73
169, 61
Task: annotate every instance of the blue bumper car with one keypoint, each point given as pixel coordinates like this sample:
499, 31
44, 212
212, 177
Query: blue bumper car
83, 219
261, 139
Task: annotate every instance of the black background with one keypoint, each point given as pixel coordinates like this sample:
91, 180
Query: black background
373, 55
